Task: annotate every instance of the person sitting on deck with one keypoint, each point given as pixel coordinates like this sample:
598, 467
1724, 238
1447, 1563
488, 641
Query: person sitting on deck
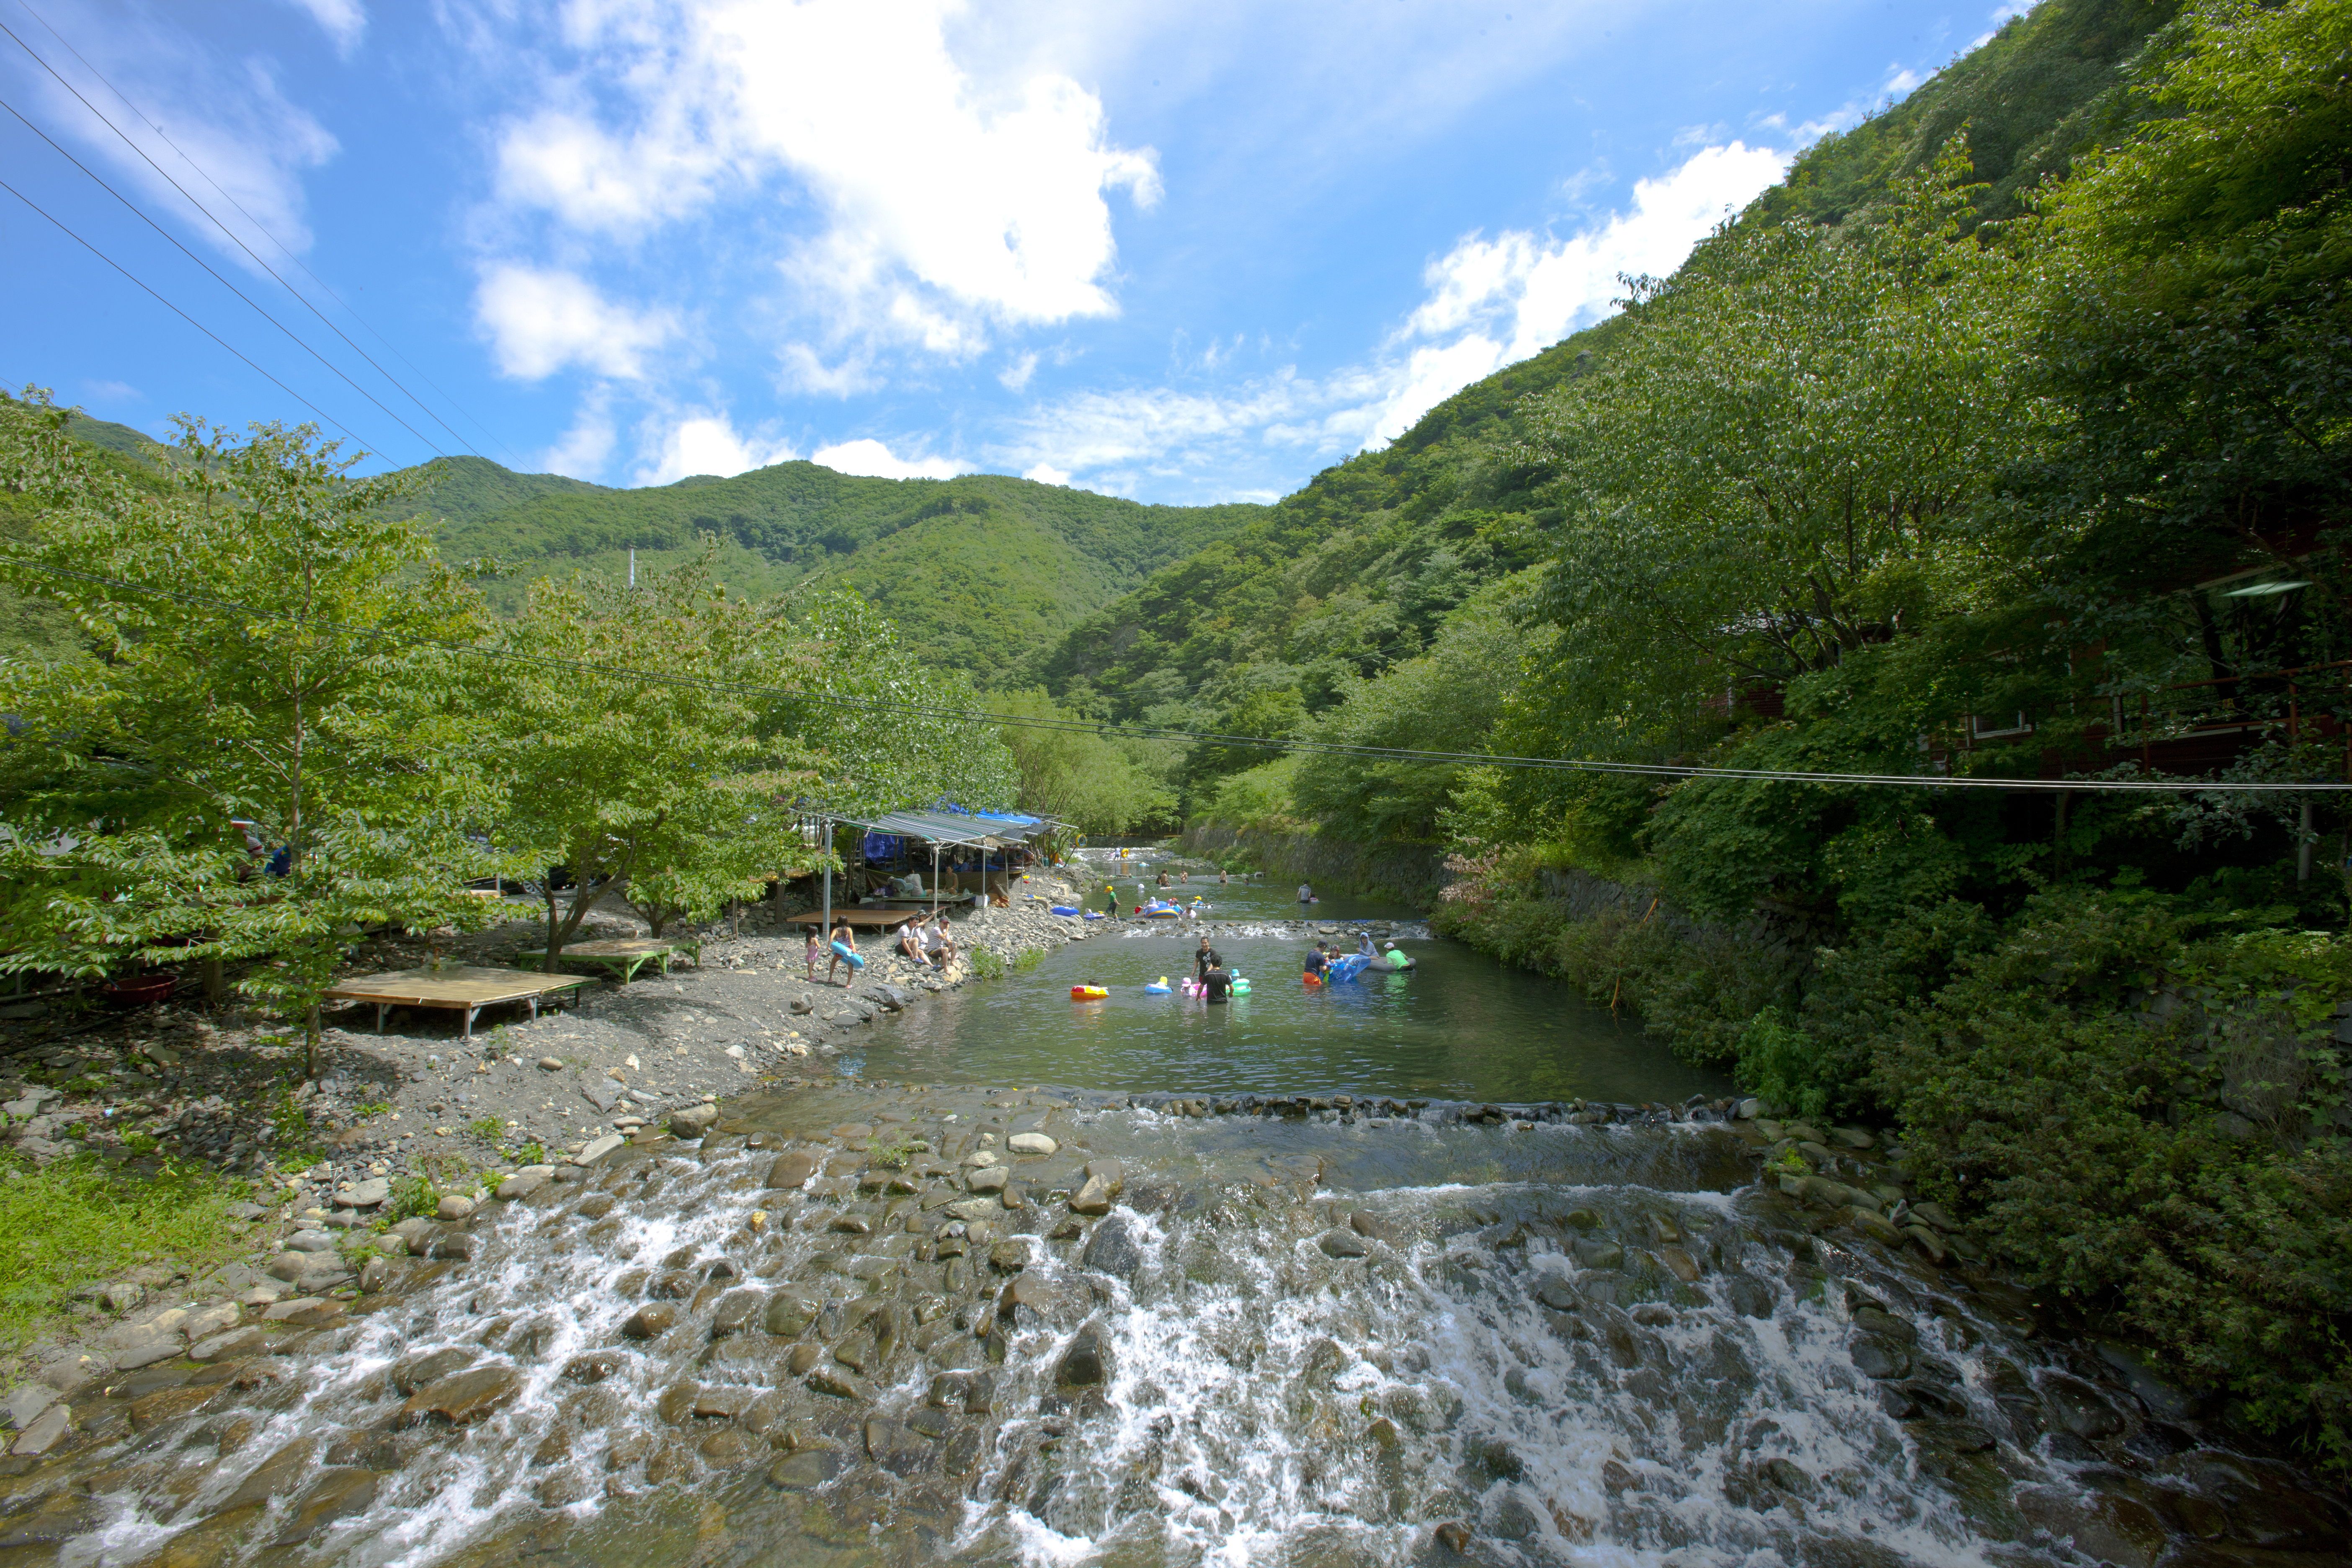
844, 940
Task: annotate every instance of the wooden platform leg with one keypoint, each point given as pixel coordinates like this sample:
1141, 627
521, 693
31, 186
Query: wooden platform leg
532, 1003
381, 1009
470, 1011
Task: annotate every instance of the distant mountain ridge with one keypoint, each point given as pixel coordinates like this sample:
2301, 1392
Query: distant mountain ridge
975, 570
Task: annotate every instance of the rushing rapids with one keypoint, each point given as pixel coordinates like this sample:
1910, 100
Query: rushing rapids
866, 1324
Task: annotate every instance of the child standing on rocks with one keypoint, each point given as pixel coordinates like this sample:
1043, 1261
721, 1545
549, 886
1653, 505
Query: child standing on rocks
815, 946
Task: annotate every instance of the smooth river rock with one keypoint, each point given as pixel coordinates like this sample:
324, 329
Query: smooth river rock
462, 1399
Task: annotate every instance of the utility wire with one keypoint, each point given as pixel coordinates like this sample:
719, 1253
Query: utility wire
1083, 726
182, 314
217, 224
259, 227
217, 278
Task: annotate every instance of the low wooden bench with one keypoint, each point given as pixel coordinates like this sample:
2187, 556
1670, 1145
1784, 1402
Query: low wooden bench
458, 987
623, 956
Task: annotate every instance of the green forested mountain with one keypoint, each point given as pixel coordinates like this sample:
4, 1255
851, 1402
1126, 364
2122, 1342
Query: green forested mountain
973, 570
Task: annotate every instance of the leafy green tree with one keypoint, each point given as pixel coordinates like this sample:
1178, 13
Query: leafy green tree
889, 731
1777, 468
1091, 781
272, 649
627, 725
1268, 712
1446, 699
2192, 329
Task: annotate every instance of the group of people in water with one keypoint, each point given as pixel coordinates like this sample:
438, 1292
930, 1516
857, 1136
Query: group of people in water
1143, 896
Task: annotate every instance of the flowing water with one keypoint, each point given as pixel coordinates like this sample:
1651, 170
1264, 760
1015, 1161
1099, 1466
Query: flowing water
1407, 1321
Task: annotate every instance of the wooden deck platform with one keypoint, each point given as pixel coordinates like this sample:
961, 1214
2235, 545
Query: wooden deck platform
457, 987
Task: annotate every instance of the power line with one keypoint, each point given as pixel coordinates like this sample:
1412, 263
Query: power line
182, 314
1082, 726
216, 223
230, 198
217, 278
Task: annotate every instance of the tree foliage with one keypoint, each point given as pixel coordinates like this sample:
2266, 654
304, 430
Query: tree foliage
271, 650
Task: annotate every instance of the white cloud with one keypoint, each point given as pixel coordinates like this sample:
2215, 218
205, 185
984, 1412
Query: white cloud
234, 139
1490, 302
707, 444
1494, 302
1046, 474
565, 162
539, 321
344, 22
583, 451
874, 461
943, 206
114, 392
1015, 376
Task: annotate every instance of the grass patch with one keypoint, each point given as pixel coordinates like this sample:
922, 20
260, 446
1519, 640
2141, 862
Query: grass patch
489, 1129
987, 964
1027, 958
74, 1223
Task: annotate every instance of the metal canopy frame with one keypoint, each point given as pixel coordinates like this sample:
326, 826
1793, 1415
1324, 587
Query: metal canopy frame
937, 827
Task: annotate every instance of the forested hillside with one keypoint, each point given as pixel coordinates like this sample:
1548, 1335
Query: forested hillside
2010, 438
1357, 572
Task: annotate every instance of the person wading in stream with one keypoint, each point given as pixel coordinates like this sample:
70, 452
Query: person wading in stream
1315, 965
1217, 984
1204, 961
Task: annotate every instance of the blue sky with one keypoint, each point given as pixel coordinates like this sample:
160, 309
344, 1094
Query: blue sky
1183, 252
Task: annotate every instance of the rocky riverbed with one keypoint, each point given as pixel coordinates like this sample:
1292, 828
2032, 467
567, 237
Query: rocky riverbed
865, 1323
417, 1102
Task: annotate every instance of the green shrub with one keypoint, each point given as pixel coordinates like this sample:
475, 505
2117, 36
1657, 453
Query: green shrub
411, 1198
2190, 1177
986, 964
1027, 958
